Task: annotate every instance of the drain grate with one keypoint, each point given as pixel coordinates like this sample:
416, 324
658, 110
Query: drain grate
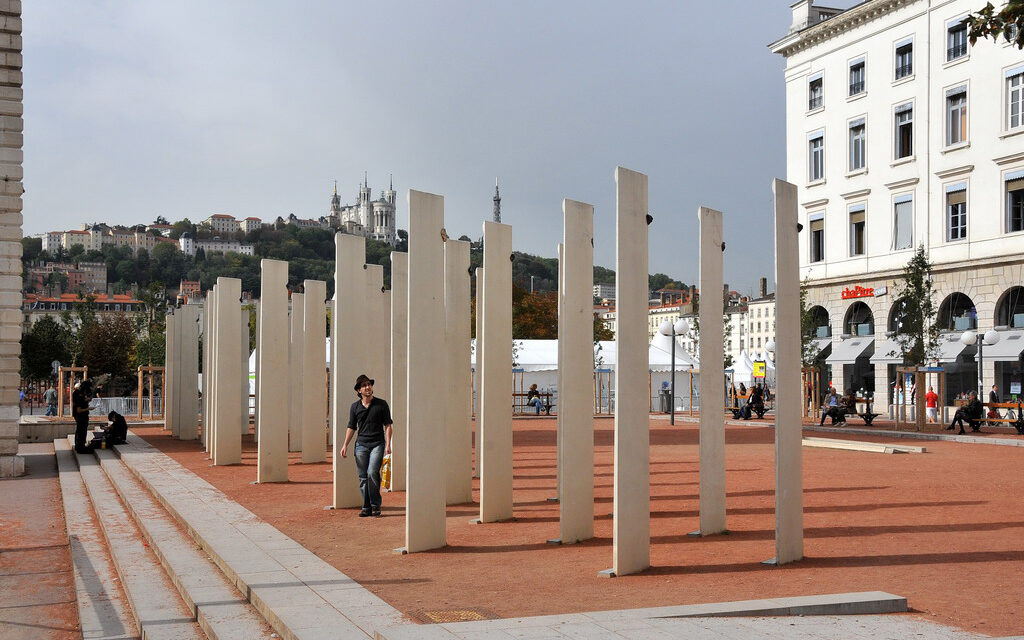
440, 616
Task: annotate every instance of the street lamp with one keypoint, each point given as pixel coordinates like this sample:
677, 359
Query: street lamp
681, 327
990, 338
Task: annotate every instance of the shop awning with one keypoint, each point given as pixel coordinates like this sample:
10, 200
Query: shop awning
847, 351
887, 352
824, 345
1010, 344
950, 350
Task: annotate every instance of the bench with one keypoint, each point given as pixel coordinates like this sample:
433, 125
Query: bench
737, 412
867, 416
1017, 422
519, 402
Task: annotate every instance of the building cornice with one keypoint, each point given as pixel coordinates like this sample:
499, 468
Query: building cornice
825, 30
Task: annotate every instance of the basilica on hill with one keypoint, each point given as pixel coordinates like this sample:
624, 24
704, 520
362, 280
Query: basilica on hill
368, 218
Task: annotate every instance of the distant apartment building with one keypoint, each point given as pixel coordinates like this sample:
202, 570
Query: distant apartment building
35, 306
189, 245
86, 277
221, 223
604, 291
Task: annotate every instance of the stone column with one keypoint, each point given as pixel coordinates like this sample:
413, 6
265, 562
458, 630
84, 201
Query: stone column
314, 372
789, 502
399, 372
348, 359
427, 375
243, 353
478, 369
494, 428
11, 127
171, 350
210, 372
712, 375
459, 405
226, 386
256, 377
631, 526
560, 379
188, 372
294, 382
272, 398
377, 330
576, 375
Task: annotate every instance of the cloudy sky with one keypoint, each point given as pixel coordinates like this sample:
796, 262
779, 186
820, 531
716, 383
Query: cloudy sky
140, 108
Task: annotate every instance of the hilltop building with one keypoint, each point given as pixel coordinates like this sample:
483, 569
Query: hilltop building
373, 219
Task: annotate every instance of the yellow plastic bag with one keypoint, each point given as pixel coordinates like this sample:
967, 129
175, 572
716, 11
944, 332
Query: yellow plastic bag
385, 473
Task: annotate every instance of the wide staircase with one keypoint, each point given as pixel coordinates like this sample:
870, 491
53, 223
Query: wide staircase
160, 553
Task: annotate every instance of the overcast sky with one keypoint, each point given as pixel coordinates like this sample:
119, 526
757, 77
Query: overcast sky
140, 108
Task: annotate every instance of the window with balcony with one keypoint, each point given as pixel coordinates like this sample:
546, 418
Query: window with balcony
815, 92
816, 157
1014, 201
904, 59
903, 222
857, 222
1015, 98
857, 85
956, 211
904, 130
956, 40
857, 144
956, 115
817, 239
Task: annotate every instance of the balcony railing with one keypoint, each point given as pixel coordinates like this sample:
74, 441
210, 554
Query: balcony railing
904, 70
957, 50
815, 102
856, 87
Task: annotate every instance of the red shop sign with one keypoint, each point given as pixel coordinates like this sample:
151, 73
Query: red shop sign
858, 292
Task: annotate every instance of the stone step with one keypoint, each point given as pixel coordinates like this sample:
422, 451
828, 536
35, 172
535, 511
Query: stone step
102, 606
222, 612
158, 609
300, 595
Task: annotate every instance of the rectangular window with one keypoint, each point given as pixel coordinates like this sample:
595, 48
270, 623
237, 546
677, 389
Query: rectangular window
956, 211
904, 59
857, 142
1015, 202
956, 115
904, 130
857, 77
857, 230
903, 223
956, 40
818, 239
1015, 99
816, 157
815, 92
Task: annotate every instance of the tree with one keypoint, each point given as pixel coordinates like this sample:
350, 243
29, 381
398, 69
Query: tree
601, 330
31, 248
534, 315
45, 341
160, 220
916, 330
809, 350
108, 346
151, 323
1008, 22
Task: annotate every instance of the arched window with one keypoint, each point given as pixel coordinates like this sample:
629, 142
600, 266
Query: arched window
957, 313
1010, 308
859, 320
820, 321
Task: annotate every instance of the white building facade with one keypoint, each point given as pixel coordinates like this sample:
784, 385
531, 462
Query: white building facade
370, 218
899, 135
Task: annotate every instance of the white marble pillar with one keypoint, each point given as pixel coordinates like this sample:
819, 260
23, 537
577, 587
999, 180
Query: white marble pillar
350, 356
210, 371
560, 380
789, 505
478, 368
256, 377
494, 428
226, 385
631, 524
243, 354
399, 372
171, 350
272, 397
294, 383
576, 379
459, 405
712, 375
427, 376
188, 372
314, 371
377, 330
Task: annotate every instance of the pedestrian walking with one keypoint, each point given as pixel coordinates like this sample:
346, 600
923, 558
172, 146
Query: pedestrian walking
369, 421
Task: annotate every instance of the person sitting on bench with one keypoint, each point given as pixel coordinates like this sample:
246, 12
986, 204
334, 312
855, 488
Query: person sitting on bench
755, 403
832, 409
116, 432
533, 398
972, 413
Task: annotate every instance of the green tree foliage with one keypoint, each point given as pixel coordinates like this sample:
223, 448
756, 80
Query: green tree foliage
109, 346
601, 330
534, 315
809, 350
45, 341
1008, 22
916, 330
31, 248
662, 281
151, 323
79, 320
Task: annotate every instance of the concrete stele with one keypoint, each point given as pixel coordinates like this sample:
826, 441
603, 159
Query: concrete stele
243, 367
631, 526
789, 505
210, 380
348, 359
494, 429
207, 369
427, 375
459, 404
171, 350
294, 382
560, 379
478, 367
375, 337
712, 375
272, 398
576, 368
255, 375
399, 371
314, 372
227, 368
187, 417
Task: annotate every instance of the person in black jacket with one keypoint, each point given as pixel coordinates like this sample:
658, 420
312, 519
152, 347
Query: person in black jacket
972, 413
80, 399
370, 418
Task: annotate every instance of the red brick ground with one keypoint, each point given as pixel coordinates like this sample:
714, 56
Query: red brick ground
945, 529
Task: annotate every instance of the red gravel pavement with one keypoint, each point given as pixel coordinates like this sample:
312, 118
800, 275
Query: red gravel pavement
945, 529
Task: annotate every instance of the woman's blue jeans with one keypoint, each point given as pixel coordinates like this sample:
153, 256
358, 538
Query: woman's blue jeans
368, 461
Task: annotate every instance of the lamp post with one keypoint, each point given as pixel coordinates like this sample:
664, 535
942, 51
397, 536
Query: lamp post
681, 327
990, 338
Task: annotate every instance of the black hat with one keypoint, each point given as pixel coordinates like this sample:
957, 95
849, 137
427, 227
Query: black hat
360, 380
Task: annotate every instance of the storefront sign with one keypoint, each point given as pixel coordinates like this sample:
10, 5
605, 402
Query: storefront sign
858, 292
759, 368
